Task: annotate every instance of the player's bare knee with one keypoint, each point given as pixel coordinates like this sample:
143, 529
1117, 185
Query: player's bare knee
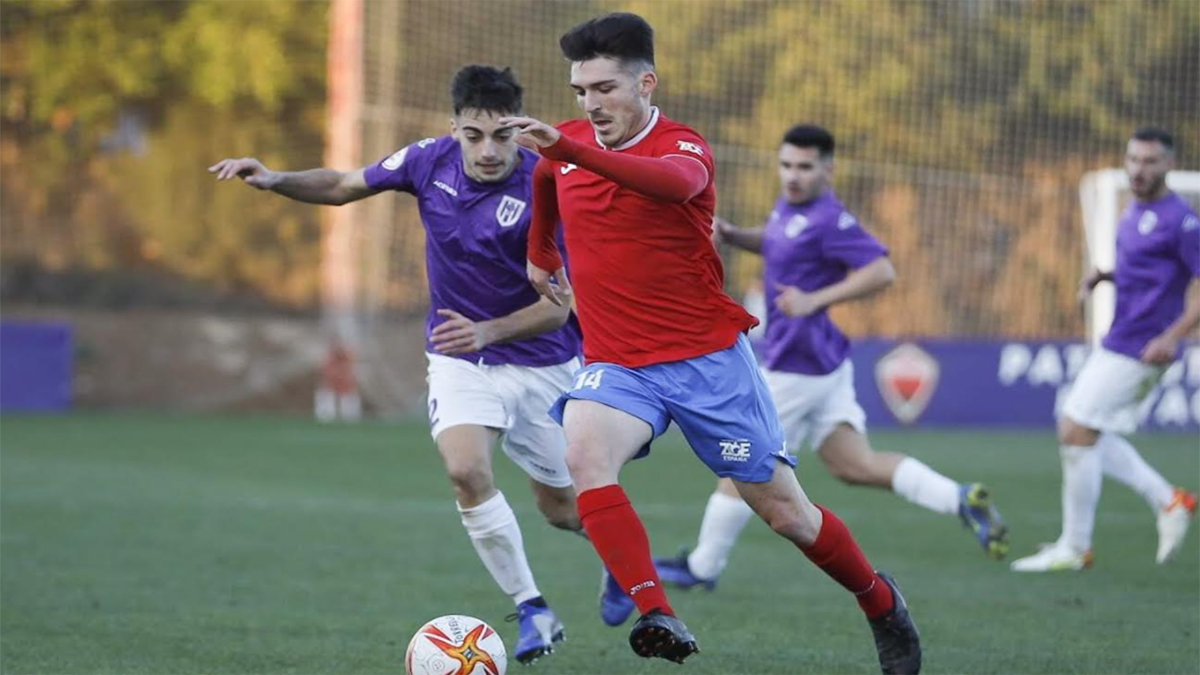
1072, 433
471, 483
587, 466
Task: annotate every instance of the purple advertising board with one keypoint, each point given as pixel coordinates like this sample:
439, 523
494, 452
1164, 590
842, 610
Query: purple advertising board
985, 383
36, 364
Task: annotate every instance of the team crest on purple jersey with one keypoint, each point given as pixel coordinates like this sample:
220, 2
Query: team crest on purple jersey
907, 376
509, 211
1147, 222
476, 236
795, 225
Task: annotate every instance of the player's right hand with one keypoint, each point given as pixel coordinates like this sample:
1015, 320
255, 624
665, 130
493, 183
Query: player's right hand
248, 169
559, 293
532, 133
721, 229
1088, 283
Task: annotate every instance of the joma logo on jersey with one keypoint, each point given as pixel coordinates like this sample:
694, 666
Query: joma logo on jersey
690, 147
735, 451
445, 188
567, 168
509, 211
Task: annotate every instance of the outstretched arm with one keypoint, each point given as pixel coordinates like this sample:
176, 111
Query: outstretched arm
315, 186
860, 283
676, 178
745, 238
460, 335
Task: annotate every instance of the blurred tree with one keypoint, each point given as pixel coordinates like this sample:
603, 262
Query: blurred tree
963, 127
112, 110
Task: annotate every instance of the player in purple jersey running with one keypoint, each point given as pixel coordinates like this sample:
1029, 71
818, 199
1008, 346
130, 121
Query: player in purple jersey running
499, 354
1158, 258
817, 255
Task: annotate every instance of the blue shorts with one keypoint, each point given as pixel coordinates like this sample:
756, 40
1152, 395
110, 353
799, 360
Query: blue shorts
719, 401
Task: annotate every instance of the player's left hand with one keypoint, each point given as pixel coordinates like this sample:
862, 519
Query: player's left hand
459, 335
1160, 351
532, 133
559, 293
794, 302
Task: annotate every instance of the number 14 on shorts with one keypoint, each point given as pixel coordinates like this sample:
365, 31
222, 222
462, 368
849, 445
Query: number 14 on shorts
591, 380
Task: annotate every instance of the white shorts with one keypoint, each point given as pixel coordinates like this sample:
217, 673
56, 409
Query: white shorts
811, 406
514, 399
1109, 390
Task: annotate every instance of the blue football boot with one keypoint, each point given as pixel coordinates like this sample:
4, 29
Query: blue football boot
615, 603
978, 514
538, 629
675, 571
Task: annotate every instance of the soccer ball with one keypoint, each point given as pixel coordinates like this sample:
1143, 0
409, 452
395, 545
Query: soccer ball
456, 645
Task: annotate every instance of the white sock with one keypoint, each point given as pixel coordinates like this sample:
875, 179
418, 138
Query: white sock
923, 486
724, 519
1082, 477
497, 539
1121, 461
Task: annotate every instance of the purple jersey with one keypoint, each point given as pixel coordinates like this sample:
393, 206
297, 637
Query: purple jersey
475, 245
810, 246
1158, 254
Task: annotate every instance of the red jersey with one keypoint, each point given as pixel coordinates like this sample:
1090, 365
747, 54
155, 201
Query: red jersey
649, 285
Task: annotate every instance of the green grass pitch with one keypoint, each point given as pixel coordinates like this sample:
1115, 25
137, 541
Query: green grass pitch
162, 544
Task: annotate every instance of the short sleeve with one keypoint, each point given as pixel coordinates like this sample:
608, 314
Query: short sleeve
850, 244
1189, 243
400, 170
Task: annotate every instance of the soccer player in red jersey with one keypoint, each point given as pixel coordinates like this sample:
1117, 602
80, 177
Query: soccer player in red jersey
662, 340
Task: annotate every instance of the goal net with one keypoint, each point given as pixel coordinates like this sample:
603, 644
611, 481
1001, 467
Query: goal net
963, 131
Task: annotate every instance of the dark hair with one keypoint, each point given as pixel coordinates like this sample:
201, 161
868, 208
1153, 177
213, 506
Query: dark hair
485, 88
810, 136
1155, 134
621, 36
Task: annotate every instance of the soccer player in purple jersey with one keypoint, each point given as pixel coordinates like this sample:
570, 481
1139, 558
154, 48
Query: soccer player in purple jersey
499, 354
1158, 258
818, 255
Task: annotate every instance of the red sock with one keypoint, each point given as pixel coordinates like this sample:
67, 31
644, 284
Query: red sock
838, 555
618, 536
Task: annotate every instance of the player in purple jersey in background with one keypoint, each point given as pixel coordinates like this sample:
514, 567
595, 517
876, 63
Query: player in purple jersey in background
817, 255
1158, 258
499, 354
